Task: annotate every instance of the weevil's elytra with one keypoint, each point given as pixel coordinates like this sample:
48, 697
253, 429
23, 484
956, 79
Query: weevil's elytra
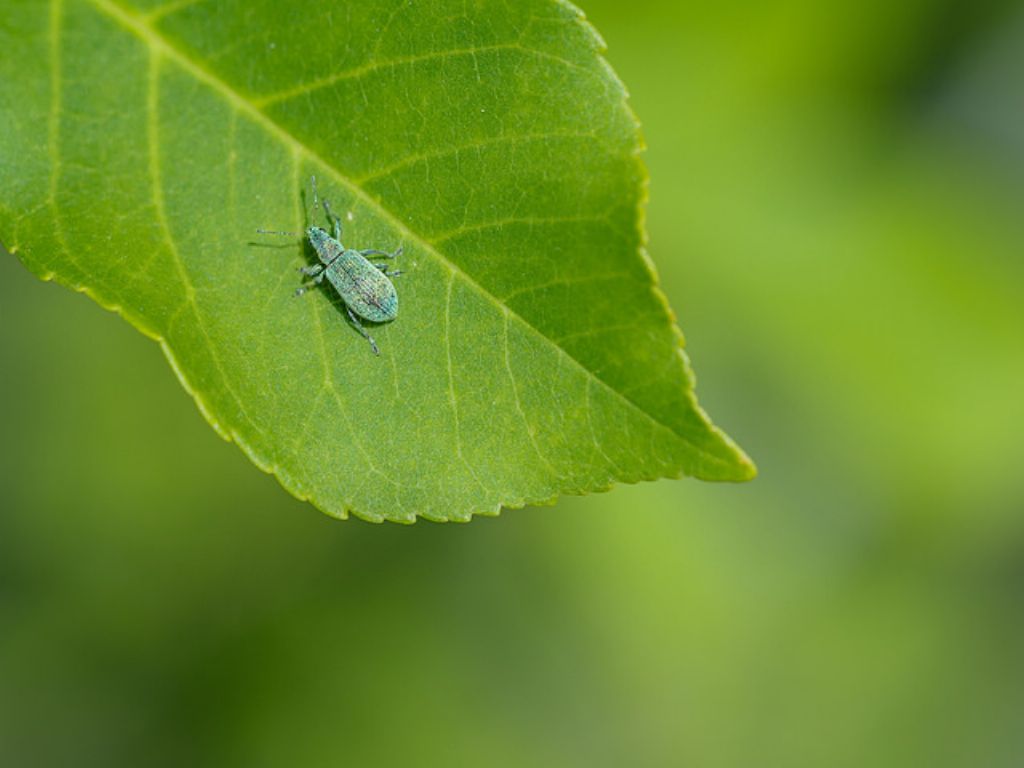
364, 286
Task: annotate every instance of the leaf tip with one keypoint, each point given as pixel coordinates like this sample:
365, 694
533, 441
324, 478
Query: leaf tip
747, 468
739, 468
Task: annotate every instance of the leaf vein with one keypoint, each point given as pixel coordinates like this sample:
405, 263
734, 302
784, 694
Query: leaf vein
452, 398
330, 386
152, 113
563, 282
593, 435
370, 67
519, 404
160, 11
482, 143
53, 127
601, 218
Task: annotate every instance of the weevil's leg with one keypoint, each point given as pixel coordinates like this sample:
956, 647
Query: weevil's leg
359, 327
387, 270
313, 270
335, 221
385, 254
316, 280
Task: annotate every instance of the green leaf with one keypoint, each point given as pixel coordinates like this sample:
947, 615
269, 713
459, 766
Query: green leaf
142, 145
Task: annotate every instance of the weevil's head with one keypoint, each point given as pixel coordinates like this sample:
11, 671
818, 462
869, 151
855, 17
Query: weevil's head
317, 237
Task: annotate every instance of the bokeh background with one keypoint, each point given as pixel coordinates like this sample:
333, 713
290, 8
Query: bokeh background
837, 216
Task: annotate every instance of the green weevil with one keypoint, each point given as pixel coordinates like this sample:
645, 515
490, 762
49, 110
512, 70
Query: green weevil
364, 286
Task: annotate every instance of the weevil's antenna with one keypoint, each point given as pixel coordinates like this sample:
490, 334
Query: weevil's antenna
316, 198
274, 232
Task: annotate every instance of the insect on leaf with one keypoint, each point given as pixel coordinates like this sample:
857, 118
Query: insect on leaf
144, 143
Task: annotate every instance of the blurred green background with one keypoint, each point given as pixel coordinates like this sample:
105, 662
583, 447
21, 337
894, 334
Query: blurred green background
837, 216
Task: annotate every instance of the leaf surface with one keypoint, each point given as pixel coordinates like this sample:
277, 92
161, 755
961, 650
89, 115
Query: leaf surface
533, 354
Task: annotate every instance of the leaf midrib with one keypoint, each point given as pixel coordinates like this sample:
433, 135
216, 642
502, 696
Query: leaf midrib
138, 26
